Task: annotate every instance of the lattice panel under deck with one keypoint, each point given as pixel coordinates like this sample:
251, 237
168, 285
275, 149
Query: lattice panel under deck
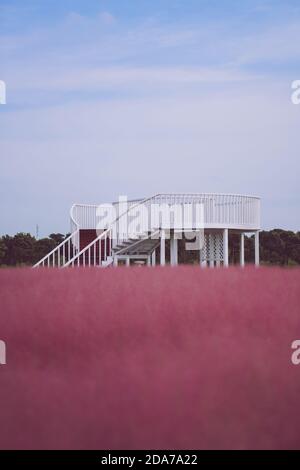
212, 248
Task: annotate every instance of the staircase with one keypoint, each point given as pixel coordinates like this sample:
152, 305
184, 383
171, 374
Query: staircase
85, 248
140, 248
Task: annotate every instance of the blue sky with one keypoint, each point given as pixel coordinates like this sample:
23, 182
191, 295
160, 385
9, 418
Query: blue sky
139, 97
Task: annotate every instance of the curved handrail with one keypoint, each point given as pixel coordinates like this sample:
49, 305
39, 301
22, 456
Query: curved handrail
72, 218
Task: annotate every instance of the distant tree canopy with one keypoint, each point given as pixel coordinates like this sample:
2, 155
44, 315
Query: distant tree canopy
277, 247
25, 250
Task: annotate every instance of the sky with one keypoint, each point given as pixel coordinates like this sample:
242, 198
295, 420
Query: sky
136, 97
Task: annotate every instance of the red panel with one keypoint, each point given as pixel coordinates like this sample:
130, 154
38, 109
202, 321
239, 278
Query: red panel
86, 237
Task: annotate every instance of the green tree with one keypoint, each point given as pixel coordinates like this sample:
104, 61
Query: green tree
42, 247
22, 250
58, 238
3, 250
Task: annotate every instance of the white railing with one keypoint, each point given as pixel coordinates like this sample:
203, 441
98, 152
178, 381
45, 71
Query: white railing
66, 250
83, 216
86, 216
219, 210
62, 253
100, 249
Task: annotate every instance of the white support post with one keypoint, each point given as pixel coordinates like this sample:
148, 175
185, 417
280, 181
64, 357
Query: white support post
256, 239
153, 258
202, 261
127, 261
225, 247
173, 250
115, 261
211, 251
162, 248
149, 260
218, 250
242, 250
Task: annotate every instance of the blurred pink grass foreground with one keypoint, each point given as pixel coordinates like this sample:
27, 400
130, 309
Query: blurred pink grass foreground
149, 358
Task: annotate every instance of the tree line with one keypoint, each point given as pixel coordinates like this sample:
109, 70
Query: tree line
23, 249
277, 247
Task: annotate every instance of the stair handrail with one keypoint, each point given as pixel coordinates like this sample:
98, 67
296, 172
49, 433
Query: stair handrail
105, 233
56, 249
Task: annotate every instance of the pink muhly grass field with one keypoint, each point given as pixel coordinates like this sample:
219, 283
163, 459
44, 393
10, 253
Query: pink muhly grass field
150, 358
